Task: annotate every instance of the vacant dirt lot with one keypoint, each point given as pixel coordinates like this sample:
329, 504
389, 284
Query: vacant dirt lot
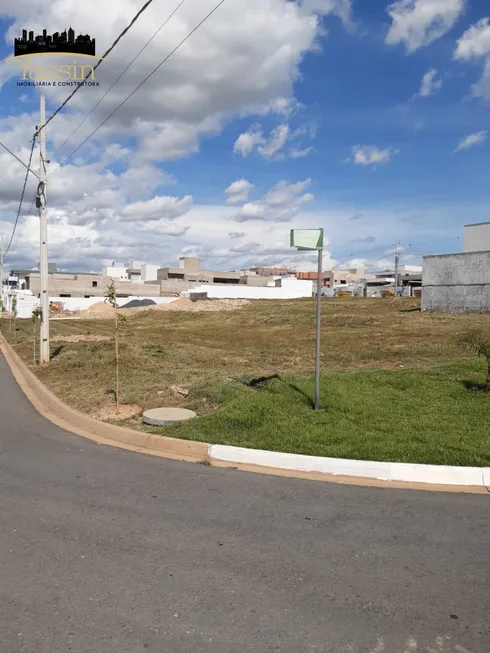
161, 349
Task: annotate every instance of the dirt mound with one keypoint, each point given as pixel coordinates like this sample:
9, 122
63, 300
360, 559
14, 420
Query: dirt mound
202, 306
99, 309
138, 303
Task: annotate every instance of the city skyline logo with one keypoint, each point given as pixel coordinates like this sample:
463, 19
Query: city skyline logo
29, 49
57, 43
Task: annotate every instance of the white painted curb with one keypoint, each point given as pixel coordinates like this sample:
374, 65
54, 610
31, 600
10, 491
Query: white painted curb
404, 472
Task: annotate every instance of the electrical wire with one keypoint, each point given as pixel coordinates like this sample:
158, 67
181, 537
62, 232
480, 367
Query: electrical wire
141, 84
121, 75
21, 197
19, 160
106, 53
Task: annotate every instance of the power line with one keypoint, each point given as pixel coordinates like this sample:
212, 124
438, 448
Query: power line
19, 160
121, 75
21, 197
77, 88
141, 84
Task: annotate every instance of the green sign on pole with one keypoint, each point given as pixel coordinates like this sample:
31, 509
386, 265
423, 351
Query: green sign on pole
307, 238
312, 239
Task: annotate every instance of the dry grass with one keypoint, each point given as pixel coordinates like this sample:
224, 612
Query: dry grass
160, 349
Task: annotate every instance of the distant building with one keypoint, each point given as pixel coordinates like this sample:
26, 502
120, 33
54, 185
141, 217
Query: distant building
334, 278
273, 272
189, 273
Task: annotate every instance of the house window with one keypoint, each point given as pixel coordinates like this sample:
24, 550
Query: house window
343, 282
94, 284
65, 295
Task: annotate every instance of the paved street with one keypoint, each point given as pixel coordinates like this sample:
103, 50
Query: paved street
104, 550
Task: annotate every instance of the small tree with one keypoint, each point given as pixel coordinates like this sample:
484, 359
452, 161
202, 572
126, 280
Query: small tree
111, 298
35, 317
478, 343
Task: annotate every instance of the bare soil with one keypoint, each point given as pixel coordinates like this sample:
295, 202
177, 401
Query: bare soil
107, 412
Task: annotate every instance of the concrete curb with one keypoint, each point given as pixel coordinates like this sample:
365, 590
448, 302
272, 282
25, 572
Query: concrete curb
380, 471
46, 403
354, 472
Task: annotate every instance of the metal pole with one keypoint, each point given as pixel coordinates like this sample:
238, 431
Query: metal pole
318, 324
43, 220
397, 266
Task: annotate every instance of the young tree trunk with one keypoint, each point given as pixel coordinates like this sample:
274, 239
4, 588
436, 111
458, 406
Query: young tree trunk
117, 359
487, 387
34, 343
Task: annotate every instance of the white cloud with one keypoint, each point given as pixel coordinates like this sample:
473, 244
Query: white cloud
238, 191
272, 147
283, 202
268, 147
342, 8
248, 141
299, 154
475, 42
482, 87
157, 208
471, 140
370, 155
430, 84
417, 23
277, 140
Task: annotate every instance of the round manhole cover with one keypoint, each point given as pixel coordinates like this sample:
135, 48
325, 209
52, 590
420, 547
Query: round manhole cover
163, 416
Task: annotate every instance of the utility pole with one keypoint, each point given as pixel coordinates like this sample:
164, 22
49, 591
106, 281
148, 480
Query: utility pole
43, 220
397, 266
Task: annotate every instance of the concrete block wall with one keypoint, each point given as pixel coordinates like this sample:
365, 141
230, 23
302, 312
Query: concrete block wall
457, 283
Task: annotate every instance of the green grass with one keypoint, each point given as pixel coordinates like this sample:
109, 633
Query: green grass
437, 416
393, 385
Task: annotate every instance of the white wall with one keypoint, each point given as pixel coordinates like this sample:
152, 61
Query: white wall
84, 303
149, 272
477, 237
296, 290
26, 303
115, 272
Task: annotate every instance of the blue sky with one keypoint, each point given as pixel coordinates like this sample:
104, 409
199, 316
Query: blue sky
352, 89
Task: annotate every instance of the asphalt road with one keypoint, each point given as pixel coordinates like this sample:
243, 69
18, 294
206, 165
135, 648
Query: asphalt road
105, 550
